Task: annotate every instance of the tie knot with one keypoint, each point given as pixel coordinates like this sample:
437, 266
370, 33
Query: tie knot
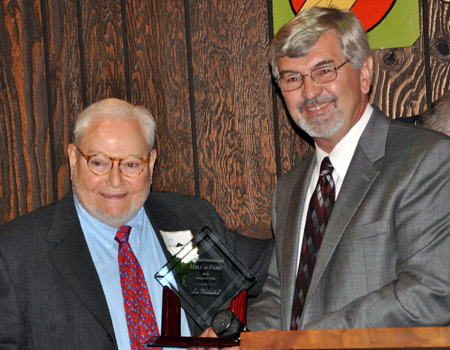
326, 168
123, 233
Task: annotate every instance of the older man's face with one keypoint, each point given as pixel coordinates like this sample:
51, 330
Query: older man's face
112, 198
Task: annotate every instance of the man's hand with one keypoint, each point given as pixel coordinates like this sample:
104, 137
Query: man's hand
209, 333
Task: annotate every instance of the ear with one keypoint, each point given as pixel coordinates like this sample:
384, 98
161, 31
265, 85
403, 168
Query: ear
72, 154
151, 161
366, 75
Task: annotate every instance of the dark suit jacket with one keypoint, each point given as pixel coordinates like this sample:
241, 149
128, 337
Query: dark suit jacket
384, 259
50, 294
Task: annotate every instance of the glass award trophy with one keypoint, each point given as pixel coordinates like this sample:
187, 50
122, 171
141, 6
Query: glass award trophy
203, 276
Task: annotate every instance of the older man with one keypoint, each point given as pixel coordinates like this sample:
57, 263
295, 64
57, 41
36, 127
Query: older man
362, 226
65, 281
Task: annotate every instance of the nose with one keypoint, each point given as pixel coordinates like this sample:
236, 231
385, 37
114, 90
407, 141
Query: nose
310, 88
115, 177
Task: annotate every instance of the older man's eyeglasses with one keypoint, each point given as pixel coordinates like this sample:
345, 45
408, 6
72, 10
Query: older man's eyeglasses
100, 164
321, 75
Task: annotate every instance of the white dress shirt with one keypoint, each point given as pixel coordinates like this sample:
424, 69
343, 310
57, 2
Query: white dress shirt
340, 158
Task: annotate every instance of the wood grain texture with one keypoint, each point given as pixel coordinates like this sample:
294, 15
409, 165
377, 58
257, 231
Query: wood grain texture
103, 50
399, 81
159, 81
64, 83
233, 111
439, 19
374, 338
25, 167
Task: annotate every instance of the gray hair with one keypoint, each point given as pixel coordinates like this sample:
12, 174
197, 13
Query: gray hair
297, 37
437, 115
115, 108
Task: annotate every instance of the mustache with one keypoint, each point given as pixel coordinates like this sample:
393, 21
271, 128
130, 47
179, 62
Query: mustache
315, 101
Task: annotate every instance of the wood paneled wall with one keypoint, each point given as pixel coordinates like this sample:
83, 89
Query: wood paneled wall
200, 67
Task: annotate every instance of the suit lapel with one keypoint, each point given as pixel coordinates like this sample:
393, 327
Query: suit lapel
72, 258
361, 174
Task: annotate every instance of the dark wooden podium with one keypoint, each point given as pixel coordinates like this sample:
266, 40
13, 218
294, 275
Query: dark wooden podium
339, 339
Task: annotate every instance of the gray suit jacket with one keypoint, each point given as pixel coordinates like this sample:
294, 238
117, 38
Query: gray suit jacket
50, 294
384, 260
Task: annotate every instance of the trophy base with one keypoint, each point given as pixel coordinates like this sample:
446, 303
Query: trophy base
187, 342
170, 329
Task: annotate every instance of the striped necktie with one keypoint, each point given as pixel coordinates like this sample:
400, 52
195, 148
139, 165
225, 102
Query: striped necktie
319, 210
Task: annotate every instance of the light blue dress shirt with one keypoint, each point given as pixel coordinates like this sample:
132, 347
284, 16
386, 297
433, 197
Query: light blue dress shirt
104, 251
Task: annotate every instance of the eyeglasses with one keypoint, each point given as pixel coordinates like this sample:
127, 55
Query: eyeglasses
100, 164
321, 75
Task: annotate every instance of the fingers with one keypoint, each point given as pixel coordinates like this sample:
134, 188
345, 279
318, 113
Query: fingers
209, 333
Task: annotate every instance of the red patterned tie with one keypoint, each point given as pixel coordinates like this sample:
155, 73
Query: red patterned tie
319, 211
141, 320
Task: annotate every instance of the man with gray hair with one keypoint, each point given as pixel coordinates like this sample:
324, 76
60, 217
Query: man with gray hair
361, 226
437, 115
79, 274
